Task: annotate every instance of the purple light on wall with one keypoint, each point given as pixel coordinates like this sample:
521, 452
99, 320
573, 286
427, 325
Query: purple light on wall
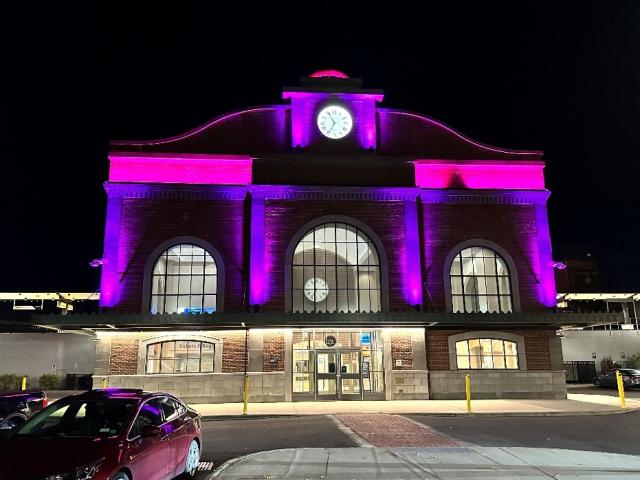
547, 286
413, 274
110, 286
257, 275
305, 104
180, 168
479, 174
329, 73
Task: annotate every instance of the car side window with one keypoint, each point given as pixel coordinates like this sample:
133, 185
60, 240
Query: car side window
169, 408
180, 408
149, 414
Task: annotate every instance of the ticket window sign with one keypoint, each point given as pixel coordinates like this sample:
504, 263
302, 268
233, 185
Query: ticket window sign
365, 339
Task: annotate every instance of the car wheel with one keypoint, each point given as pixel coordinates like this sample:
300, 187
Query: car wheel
193, 459
120, 476
597, 382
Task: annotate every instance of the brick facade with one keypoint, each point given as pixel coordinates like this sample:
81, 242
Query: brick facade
401, 349
513, 227
123, 359
284, 218
233, 354
536, 345
145, 223
273, 353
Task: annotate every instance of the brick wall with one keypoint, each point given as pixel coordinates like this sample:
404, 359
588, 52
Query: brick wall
123, 359
273, 353
284, 218
536, 345
513, 227
146, 223
401, 349
233, 354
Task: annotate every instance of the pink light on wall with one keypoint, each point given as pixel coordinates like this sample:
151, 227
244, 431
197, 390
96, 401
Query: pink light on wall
329, 73
180, 168
479, 174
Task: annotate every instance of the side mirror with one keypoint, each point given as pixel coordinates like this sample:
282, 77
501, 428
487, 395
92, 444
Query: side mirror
149, 431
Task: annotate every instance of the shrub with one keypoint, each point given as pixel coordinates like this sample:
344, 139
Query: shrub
633, 361
10, 381
606, 364
50, 381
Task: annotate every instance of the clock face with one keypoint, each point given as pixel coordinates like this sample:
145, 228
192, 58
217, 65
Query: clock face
335, 122
316, 289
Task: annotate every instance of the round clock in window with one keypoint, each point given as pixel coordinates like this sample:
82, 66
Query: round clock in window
316, 289
335, 122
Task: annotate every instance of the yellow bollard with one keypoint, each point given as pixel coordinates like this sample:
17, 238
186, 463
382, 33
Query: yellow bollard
623, 403
103, 383
24, 383
467, 388
245, 395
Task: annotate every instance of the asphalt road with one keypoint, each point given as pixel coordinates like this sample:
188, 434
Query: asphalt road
602, 433
226, 438
593, 390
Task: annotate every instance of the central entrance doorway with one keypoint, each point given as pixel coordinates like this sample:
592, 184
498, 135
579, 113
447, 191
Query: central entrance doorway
338, 374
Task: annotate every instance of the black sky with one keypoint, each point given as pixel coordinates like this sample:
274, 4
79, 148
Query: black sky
563, 77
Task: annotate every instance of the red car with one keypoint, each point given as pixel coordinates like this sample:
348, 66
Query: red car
111, 434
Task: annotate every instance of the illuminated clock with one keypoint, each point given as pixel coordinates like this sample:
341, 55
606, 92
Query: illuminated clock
335, 122
316, 289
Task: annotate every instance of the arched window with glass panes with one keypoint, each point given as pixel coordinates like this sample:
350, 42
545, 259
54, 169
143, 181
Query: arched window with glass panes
335, 268
480, 282
184, 280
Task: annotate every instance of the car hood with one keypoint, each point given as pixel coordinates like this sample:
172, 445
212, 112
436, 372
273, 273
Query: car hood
29, 458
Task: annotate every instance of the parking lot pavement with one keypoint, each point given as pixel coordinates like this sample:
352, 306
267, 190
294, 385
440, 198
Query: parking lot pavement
593, 390
600, 433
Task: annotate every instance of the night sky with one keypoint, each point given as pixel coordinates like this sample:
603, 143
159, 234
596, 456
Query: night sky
563, 77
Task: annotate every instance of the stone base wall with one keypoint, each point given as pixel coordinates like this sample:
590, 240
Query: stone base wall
498, 384
408, 385
205, 387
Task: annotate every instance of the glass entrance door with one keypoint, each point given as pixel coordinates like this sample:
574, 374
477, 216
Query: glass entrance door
350, 381
338, 375
327, 375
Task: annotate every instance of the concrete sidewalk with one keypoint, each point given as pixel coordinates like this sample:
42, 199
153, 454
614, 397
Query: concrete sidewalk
576, 404
431, 463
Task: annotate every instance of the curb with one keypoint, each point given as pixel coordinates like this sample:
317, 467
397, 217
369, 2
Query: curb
429, 414
235, 460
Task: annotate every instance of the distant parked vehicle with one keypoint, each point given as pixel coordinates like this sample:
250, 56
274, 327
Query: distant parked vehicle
17, 406
630, 378
110, 434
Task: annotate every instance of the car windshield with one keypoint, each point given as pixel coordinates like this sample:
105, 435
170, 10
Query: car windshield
95, 418
630, 371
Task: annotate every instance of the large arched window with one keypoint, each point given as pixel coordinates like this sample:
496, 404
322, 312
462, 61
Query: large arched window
184, 280
335, 268
480, 282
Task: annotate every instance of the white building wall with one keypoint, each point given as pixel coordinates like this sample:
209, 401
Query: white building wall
579, 345
34, 354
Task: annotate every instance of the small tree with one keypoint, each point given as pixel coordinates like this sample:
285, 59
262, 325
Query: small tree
50, 381
9, 381
633, 361
606, 365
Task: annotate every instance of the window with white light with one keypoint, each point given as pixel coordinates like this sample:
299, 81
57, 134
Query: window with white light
180, 356
335, 268
184, 280
487, 353
480, 282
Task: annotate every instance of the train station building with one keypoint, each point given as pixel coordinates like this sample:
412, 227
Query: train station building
332, 248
